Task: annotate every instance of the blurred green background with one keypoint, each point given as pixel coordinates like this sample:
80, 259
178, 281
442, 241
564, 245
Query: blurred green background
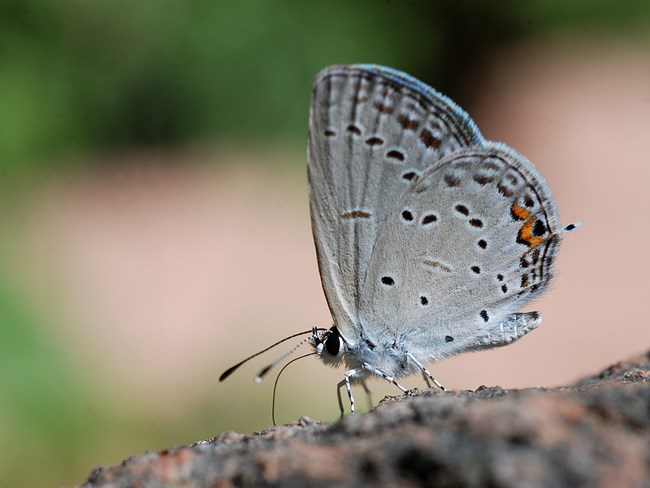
89, 76
82, 82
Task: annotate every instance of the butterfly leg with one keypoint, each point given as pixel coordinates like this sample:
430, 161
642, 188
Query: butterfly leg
425, 372
338, 395
426, 379
368, 394
388, 378
346, 383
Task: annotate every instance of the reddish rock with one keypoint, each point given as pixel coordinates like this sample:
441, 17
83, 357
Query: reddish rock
593, 434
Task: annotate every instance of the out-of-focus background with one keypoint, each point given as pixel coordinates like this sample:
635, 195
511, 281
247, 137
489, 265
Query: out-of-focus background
154, 224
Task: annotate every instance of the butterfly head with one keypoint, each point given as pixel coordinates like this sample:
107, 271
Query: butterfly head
329, 345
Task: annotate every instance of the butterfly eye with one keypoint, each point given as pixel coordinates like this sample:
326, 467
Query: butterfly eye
333, 344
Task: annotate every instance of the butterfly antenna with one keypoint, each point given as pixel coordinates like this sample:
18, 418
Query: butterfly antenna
232, 369
570, 227
260, 376
277, 378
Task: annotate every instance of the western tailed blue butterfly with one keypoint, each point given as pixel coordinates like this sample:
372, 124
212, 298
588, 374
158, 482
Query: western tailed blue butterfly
429, 237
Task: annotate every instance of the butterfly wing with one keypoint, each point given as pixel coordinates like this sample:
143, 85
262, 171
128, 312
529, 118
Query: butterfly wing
372, 131
469, 243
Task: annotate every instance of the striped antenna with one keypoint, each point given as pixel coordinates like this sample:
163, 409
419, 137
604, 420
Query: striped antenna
232, 369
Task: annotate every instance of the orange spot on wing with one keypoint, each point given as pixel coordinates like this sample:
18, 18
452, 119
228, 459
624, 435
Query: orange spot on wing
526, 234
519, 212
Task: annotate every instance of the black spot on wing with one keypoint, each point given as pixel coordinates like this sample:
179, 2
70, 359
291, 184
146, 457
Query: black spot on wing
374, 141
407, 216
395, 154
354, 129
387, 280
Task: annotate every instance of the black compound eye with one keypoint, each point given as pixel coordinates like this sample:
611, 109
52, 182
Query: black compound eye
333, 344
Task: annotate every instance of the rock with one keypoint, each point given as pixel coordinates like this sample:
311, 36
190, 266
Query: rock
595, 433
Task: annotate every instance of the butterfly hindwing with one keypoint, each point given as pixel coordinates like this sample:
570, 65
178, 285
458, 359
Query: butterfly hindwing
467, 245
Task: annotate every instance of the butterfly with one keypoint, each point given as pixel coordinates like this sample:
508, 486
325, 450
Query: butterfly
429, 237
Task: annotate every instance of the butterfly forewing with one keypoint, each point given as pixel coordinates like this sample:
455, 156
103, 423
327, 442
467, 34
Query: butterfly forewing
373, 131
466, 245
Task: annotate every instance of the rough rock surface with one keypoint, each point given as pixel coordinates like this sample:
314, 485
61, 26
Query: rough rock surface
595, 433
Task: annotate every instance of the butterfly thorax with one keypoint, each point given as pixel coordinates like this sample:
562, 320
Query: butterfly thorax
363, 355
